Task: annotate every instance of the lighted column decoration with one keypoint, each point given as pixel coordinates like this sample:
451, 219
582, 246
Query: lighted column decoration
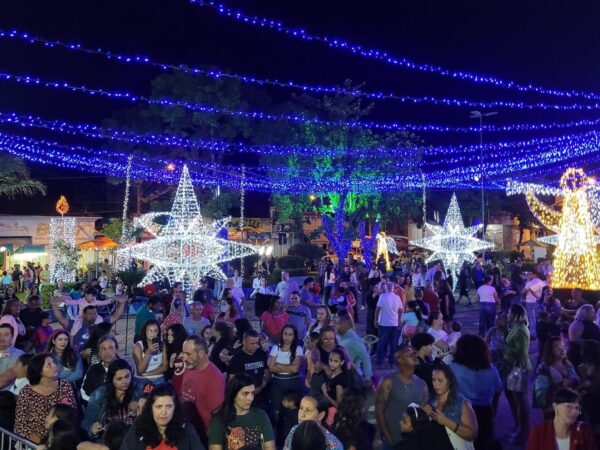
62, 254
242, 212
123, 259
185, 249
452, 243
576, 259
368, 243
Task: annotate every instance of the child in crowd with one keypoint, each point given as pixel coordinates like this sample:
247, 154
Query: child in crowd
89, 299
453, 337
263, 339
289, 418
21, 372
418, 431
333, 388
411, 319
42, 333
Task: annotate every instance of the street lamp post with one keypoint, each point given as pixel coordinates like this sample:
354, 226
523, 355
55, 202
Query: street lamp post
479, 115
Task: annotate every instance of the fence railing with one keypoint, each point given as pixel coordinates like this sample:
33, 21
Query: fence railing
11, 441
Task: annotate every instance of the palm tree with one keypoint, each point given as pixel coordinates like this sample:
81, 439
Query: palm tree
14, 178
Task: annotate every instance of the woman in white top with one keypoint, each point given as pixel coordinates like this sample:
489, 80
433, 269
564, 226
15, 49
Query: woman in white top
488, 299
150, 354
436, 329
285, 360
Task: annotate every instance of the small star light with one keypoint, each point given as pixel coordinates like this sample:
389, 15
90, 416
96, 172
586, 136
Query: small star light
62, 205
452, 243
185, 249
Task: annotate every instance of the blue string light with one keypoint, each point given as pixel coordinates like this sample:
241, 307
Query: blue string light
383, 56
249, 79
114, 163
445, 155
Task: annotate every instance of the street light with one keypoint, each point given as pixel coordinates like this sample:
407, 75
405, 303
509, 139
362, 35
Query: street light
479, 115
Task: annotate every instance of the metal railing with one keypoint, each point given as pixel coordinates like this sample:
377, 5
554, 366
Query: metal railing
11, 441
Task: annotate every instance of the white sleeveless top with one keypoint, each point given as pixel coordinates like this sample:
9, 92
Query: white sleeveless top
154, 363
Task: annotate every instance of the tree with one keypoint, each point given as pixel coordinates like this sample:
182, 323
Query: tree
14, 178
113, 229
343, 209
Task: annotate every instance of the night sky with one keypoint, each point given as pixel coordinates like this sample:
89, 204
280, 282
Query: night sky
554, 44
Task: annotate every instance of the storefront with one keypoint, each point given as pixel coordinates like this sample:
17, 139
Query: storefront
26, 238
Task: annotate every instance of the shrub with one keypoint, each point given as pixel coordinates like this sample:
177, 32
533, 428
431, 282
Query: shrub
290, 262
306, 251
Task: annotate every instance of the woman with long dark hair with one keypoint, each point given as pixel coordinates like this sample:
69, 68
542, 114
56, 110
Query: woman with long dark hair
448, 408
350, 425
240, 326
116, 399
554, 372
236, 423
219, 355
70, 366
161, 424
176, 335
479, 381
150, 353
285, 360
323, 318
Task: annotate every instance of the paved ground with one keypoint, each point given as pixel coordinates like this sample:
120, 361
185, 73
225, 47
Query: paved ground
468, 316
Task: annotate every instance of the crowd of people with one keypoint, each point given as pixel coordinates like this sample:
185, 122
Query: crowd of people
294, 372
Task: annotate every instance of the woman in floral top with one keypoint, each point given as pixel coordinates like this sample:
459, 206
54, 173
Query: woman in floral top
35, 401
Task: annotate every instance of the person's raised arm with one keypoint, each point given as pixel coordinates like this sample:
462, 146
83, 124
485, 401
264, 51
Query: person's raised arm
60, 318
122, 301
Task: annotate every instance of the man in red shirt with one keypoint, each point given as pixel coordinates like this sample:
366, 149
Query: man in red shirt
201, 388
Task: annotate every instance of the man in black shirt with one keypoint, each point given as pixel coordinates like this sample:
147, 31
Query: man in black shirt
252, 360
518, 278
423, 345
31, 316
96, 373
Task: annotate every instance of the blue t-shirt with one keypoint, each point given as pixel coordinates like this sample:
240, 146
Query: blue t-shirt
478, 386
83, 334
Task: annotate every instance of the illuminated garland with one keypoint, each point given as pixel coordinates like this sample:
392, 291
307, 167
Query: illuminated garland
499, 149
114, 163
445, 156
217, 74
185, 249
452, 243
383, 56
576, 259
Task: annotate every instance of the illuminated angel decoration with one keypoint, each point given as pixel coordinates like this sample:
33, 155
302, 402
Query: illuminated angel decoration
385, 246
576, 259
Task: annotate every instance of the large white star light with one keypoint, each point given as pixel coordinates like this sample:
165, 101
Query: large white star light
452, 243
185, 249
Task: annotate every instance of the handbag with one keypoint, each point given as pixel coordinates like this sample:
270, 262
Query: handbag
517, 379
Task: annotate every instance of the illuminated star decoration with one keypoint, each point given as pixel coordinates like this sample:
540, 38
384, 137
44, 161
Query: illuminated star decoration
185, 249
576, 259
452, 243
